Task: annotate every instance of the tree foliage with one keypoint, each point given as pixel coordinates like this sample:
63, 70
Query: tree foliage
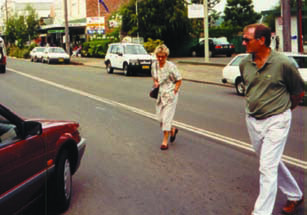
269, 19
157, 19
20, 29
239, 13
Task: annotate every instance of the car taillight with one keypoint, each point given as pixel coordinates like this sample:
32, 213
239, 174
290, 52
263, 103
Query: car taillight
3, 60
232, 46
218, 47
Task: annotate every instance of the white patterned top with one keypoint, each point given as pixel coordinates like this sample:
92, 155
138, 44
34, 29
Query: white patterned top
167, 77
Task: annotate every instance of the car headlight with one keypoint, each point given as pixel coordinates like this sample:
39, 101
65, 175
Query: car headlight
134, 62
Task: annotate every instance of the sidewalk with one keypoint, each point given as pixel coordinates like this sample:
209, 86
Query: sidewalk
192, 68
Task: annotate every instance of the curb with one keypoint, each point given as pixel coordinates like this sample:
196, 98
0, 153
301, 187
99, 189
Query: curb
185, 79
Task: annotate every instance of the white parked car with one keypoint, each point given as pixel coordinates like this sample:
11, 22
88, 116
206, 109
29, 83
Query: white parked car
55, 55
231, 72
36, 54
129, 57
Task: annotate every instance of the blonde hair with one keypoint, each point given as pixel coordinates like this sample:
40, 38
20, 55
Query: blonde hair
162, 49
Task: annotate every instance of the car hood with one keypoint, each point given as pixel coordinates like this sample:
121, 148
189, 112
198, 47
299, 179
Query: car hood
303, 72
139, 56
58, 55
54, 123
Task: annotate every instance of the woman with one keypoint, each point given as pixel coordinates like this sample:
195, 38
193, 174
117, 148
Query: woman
166, 75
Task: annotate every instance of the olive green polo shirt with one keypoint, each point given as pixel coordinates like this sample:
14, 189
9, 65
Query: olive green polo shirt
268, 89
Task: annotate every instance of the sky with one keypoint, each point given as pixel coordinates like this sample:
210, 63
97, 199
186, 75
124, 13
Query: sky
259, 5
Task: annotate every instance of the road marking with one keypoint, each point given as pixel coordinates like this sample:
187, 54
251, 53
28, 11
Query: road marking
230, 141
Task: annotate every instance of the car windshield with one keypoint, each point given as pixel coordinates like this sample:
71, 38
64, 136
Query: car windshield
56, 50
135, 49
237, 60
299, 61
219, 41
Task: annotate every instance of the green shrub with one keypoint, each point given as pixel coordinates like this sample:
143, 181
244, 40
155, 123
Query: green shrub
15, 51
95, 48
150, 45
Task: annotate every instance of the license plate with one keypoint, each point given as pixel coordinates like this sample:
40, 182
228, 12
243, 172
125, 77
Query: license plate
145, 67
61, 59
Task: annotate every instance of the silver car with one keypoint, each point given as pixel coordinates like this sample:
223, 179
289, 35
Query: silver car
55, 55
36, 54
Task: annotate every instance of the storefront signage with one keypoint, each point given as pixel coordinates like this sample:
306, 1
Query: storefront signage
56, 31
95, 25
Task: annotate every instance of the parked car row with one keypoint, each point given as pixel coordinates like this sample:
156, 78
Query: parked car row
231, 72
49, 55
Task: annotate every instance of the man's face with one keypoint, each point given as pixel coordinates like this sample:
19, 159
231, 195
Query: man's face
251, 44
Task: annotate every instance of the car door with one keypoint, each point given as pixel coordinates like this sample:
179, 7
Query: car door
120, 57
22, 167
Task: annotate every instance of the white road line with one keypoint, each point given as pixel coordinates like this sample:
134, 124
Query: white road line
237, 143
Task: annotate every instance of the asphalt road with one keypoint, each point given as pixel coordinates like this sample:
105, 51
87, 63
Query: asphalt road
123, 171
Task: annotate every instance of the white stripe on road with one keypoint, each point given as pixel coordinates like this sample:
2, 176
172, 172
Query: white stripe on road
239, 144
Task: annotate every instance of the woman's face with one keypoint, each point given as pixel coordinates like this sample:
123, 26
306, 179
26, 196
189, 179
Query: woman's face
161, 57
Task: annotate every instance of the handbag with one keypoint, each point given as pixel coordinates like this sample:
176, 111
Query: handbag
154, 92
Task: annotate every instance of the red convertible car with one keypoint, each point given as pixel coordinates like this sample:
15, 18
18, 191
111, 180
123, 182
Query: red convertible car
37, 159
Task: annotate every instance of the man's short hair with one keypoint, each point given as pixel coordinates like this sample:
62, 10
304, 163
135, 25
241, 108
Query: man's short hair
261, 30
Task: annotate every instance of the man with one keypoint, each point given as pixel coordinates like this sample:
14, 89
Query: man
274, 87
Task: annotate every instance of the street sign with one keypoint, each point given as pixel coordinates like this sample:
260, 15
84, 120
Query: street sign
195, 11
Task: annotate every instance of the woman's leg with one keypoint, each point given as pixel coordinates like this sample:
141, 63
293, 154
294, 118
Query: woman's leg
165, 138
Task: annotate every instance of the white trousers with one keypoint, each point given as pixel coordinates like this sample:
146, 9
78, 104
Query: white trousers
269, 137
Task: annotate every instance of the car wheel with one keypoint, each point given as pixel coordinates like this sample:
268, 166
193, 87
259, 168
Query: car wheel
126, 70
63, 182
240, 88
228, 55
109, 68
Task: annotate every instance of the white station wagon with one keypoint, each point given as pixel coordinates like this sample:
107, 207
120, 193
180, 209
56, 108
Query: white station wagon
129, 57
231, 72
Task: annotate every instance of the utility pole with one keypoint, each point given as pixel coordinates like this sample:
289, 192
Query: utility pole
286, 24
67, 40
206, 32
137, 19
299, 26
6, 12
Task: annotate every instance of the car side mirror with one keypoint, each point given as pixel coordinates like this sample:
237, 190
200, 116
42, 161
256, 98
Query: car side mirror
31, 128
120, 54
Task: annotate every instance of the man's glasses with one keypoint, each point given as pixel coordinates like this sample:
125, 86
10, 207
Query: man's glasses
244, 39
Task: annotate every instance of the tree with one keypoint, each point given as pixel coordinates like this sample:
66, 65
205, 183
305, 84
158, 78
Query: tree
32, 22
269, 18
157, 19
239, 13
20, 29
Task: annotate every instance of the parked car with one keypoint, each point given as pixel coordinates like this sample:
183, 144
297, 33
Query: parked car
37, 53
37, 159
217, 46
231, 72
129, 57
55, 55
2, 56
